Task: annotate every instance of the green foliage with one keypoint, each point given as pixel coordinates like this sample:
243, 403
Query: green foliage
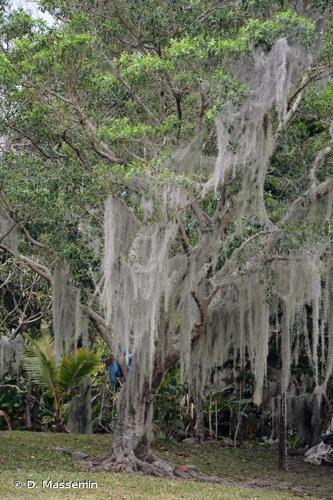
77, 84
74, 368
59, 380
170, 419
6, 69
120, 128
40, 364
10, 400
287, 23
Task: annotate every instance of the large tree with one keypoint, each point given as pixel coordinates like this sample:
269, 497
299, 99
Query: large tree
174, 119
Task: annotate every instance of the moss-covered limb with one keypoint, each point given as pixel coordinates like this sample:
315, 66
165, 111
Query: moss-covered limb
303, 202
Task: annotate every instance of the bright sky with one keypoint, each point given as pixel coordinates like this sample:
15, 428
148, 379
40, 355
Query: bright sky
32, 7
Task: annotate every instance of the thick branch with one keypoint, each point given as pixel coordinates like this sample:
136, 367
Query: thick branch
184, 239
307, 198
99, 324
320, 160
199, 328
77, 151
31, 140
20, 225
34, 266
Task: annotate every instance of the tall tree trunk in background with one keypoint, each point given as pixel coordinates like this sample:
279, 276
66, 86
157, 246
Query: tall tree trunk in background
35, 416
282, 432
199, 418
59, 424
79, 419
26, 402
58, 421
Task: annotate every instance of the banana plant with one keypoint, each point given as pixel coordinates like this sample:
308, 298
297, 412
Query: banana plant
59, 380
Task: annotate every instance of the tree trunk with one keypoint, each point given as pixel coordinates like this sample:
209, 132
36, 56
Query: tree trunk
199, 418
26, 402
210, 417
131, 443
79, 419
35, 416
133, 434
282, 445
59, 425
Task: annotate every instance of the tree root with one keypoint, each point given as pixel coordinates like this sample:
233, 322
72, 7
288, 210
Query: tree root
155, 466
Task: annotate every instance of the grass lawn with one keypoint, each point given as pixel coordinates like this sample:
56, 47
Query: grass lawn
30, 456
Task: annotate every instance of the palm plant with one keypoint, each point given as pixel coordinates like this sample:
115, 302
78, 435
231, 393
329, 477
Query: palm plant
59, 380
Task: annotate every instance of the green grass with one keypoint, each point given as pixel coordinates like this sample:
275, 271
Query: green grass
26, 455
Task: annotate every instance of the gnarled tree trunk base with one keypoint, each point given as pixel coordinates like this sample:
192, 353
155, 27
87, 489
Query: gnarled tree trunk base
152, 466
160, 468
143, 460
131, 464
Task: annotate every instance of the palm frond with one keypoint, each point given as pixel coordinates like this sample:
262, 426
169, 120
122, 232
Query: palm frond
75, 367
40, 365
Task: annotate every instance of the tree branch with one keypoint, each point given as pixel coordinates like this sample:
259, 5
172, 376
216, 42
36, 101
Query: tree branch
77, 151
20, 225
307, 198
34, 265
99, 323
89, 128
43, 271
218, 6
320, 159
32, 141
184, 239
